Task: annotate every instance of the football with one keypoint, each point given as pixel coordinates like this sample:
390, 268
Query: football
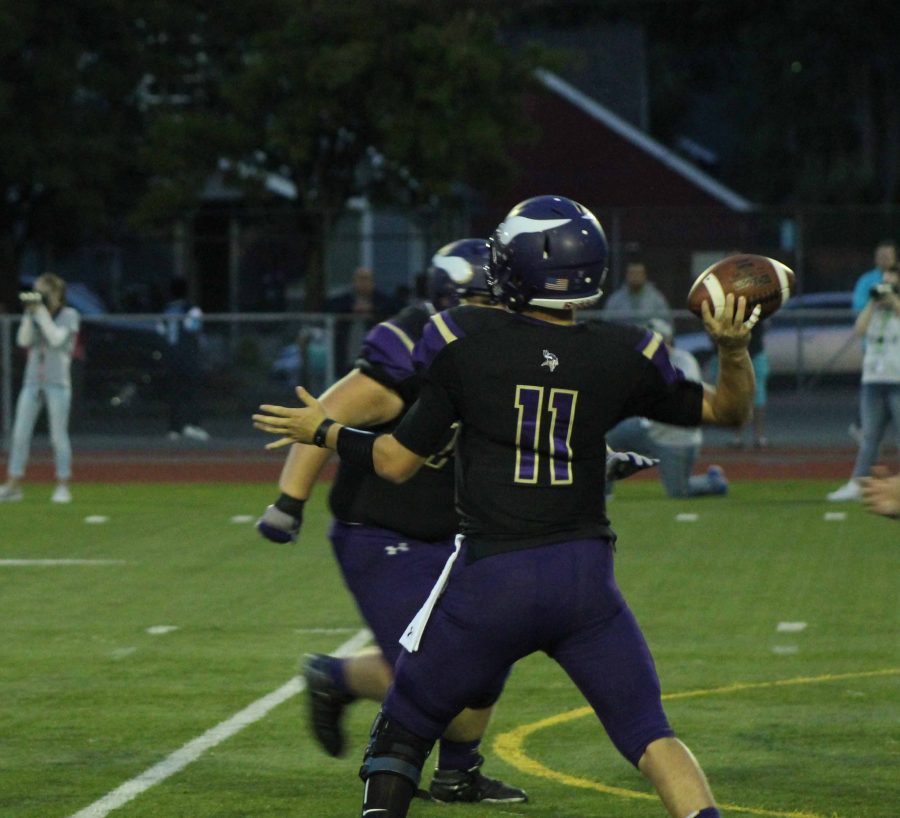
759, 279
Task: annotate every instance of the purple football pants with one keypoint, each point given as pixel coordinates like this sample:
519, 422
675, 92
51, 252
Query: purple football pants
389, 575
561, 599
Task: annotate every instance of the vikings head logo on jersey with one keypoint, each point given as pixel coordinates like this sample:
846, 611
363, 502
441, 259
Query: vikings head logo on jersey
550, 360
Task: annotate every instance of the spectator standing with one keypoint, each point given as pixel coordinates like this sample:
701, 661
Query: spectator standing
638, 300
367, 305
676, 447
879, 324
48, 331
182, 327
885, 258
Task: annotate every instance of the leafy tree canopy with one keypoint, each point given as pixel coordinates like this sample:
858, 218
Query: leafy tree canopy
398, 101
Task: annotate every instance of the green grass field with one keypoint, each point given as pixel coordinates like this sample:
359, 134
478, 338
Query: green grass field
801, 722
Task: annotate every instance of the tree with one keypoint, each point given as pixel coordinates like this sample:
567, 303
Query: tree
67, 132
398, 101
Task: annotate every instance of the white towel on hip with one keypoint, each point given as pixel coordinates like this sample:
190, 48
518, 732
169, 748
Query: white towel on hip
412, 636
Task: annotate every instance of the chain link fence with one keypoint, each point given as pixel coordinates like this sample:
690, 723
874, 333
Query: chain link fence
121, 384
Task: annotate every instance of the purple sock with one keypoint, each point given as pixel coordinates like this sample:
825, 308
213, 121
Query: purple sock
459, 755
706, 812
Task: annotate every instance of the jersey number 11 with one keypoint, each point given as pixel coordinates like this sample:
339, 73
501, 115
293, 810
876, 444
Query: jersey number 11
561, 408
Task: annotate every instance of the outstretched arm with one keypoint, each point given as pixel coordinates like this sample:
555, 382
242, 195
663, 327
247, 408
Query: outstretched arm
355, 399
383, 454
729, 403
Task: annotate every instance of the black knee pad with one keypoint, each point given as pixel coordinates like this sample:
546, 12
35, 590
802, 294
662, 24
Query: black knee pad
393, 749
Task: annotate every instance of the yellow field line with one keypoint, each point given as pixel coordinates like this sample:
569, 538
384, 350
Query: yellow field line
510, 746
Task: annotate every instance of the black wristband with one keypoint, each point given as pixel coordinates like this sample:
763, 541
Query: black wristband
355, 447
322, 431
290, 505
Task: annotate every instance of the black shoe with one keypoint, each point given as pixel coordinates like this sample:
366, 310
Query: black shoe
470, 786
326, 704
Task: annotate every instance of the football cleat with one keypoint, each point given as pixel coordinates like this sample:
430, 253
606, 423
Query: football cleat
469, 786
326, 704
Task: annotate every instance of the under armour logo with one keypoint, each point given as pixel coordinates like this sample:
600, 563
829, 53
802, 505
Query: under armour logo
393, 550
550, 360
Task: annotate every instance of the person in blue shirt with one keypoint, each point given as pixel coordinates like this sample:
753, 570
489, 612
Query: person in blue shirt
182, 327
885, 257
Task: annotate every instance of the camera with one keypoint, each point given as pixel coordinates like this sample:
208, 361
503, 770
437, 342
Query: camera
880, 291
32, 297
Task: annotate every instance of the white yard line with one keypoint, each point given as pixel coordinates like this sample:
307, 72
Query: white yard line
21, 563
195, 748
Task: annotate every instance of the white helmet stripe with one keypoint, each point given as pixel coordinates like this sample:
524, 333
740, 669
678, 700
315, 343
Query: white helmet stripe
459, 270
517, 225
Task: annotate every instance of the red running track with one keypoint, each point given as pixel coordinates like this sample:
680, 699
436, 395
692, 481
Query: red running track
255, 465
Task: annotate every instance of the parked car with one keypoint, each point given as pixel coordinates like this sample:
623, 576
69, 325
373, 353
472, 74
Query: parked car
811, 337
117, 360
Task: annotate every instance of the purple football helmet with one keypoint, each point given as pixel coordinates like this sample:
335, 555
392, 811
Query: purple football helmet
549, 252
459, 270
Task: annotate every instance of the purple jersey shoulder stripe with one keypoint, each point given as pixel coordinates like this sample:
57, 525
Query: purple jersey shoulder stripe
440, 331
389, 347
652, 347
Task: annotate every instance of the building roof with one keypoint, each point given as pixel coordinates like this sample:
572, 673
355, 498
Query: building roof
591, 154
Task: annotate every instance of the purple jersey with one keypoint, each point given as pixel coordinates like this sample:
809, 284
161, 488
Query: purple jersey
423, 508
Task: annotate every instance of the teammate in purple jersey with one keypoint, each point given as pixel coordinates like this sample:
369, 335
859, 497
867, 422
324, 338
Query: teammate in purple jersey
535, 394
391, 541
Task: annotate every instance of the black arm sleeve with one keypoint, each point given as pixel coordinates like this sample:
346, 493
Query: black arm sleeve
679, 402
423, 429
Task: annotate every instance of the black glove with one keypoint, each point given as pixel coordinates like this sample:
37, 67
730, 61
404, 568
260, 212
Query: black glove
281, 521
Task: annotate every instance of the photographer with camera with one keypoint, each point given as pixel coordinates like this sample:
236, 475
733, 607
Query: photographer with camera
879, 324
48, 332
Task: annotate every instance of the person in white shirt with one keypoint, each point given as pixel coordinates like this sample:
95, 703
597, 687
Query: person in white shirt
48, 332
879, 397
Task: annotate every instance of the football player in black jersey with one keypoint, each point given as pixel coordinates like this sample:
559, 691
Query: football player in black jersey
391, 541
534, 393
